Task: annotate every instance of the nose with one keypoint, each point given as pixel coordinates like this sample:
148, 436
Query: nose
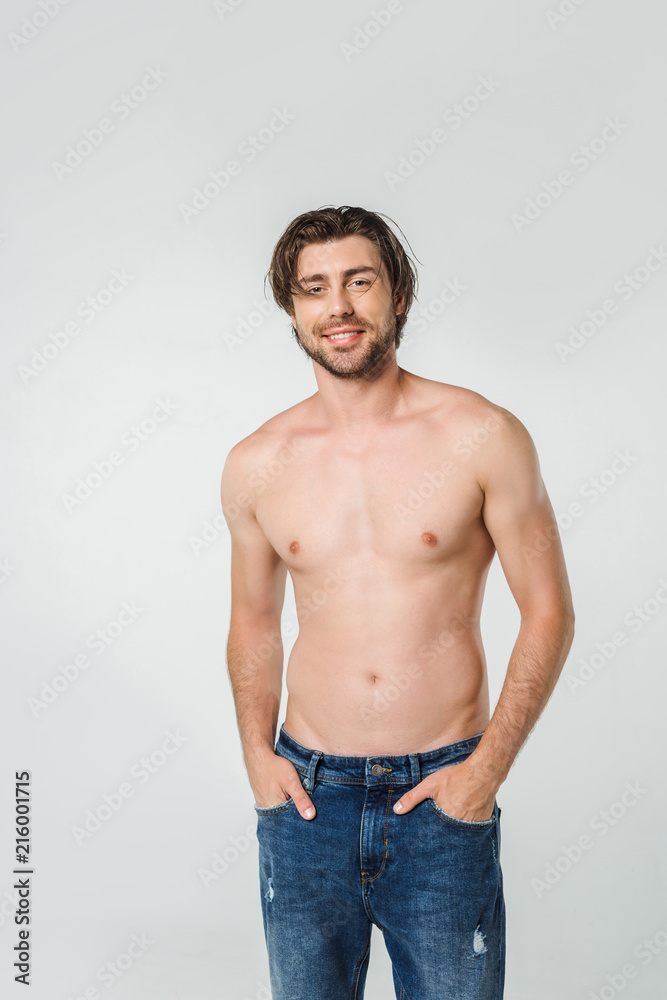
340, 302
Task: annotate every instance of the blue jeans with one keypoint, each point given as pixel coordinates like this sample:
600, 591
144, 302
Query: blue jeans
431, 883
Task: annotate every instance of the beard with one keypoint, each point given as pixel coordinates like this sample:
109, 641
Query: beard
353, 360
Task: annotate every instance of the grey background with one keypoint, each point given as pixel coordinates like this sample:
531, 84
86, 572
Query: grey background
152, 532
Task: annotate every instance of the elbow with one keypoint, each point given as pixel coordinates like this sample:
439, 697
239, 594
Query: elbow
558, 618
568, 620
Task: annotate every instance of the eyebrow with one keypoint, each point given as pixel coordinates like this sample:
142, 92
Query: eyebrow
346, 274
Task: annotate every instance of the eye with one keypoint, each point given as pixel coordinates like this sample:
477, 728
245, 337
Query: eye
360, 281
315, 288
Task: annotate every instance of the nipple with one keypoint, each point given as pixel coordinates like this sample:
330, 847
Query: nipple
429, 538
294, 546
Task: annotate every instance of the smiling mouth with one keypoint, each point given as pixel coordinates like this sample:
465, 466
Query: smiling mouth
345, 337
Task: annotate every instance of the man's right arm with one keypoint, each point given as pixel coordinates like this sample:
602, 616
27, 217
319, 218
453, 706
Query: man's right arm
254, 645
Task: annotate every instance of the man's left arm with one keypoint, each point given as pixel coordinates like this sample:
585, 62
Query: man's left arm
519, 517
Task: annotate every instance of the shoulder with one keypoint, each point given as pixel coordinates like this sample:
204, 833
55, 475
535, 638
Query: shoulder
490, 423
274, 434
276, 440
468, 411
499, 445
482, 432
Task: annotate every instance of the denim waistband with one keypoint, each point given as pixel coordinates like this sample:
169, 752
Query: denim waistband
380, 769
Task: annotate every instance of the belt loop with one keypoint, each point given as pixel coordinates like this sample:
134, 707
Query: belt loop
309, 782
416, 772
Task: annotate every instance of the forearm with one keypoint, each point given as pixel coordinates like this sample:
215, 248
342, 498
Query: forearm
537, 659
255, 666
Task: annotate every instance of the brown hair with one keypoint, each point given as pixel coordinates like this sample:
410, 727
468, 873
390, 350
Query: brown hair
328, 223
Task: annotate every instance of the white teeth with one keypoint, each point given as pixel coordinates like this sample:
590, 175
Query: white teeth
339, 336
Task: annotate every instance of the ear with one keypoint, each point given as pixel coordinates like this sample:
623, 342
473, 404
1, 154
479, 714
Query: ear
399, 304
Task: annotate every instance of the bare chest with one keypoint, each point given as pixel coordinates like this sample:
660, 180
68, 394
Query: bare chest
414, 501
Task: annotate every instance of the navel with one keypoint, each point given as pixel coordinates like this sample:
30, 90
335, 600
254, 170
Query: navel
294, 546
429, 538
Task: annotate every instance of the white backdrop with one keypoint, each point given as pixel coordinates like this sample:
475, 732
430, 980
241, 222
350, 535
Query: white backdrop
154, 153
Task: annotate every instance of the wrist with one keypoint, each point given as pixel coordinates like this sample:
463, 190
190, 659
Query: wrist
487, 773
255, 755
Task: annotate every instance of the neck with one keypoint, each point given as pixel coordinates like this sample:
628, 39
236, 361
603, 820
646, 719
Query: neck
371, 399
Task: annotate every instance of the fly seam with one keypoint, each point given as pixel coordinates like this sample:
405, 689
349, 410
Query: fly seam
386, 839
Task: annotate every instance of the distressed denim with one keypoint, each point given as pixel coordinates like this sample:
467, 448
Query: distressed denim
431, 883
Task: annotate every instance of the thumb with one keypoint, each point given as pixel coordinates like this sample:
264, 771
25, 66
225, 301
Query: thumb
413, 797
303, 804
290, 782
301, 799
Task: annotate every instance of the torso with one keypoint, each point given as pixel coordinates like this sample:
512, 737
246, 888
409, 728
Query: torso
385, 542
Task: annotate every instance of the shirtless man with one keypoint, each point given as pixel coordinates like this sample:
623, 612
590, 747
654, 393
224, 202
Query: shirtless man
385, 495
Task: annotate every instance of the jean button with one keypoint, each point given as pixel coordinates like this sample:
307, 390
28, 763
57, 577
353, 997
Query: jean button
377, 770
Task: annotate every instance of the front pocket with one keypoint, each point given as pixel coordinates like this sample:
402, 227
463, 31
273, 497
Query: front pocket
482, 824
269, 810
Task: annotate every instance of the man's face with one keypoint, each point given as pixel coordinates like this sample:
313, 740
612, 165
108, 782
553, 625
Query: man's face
344, 289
